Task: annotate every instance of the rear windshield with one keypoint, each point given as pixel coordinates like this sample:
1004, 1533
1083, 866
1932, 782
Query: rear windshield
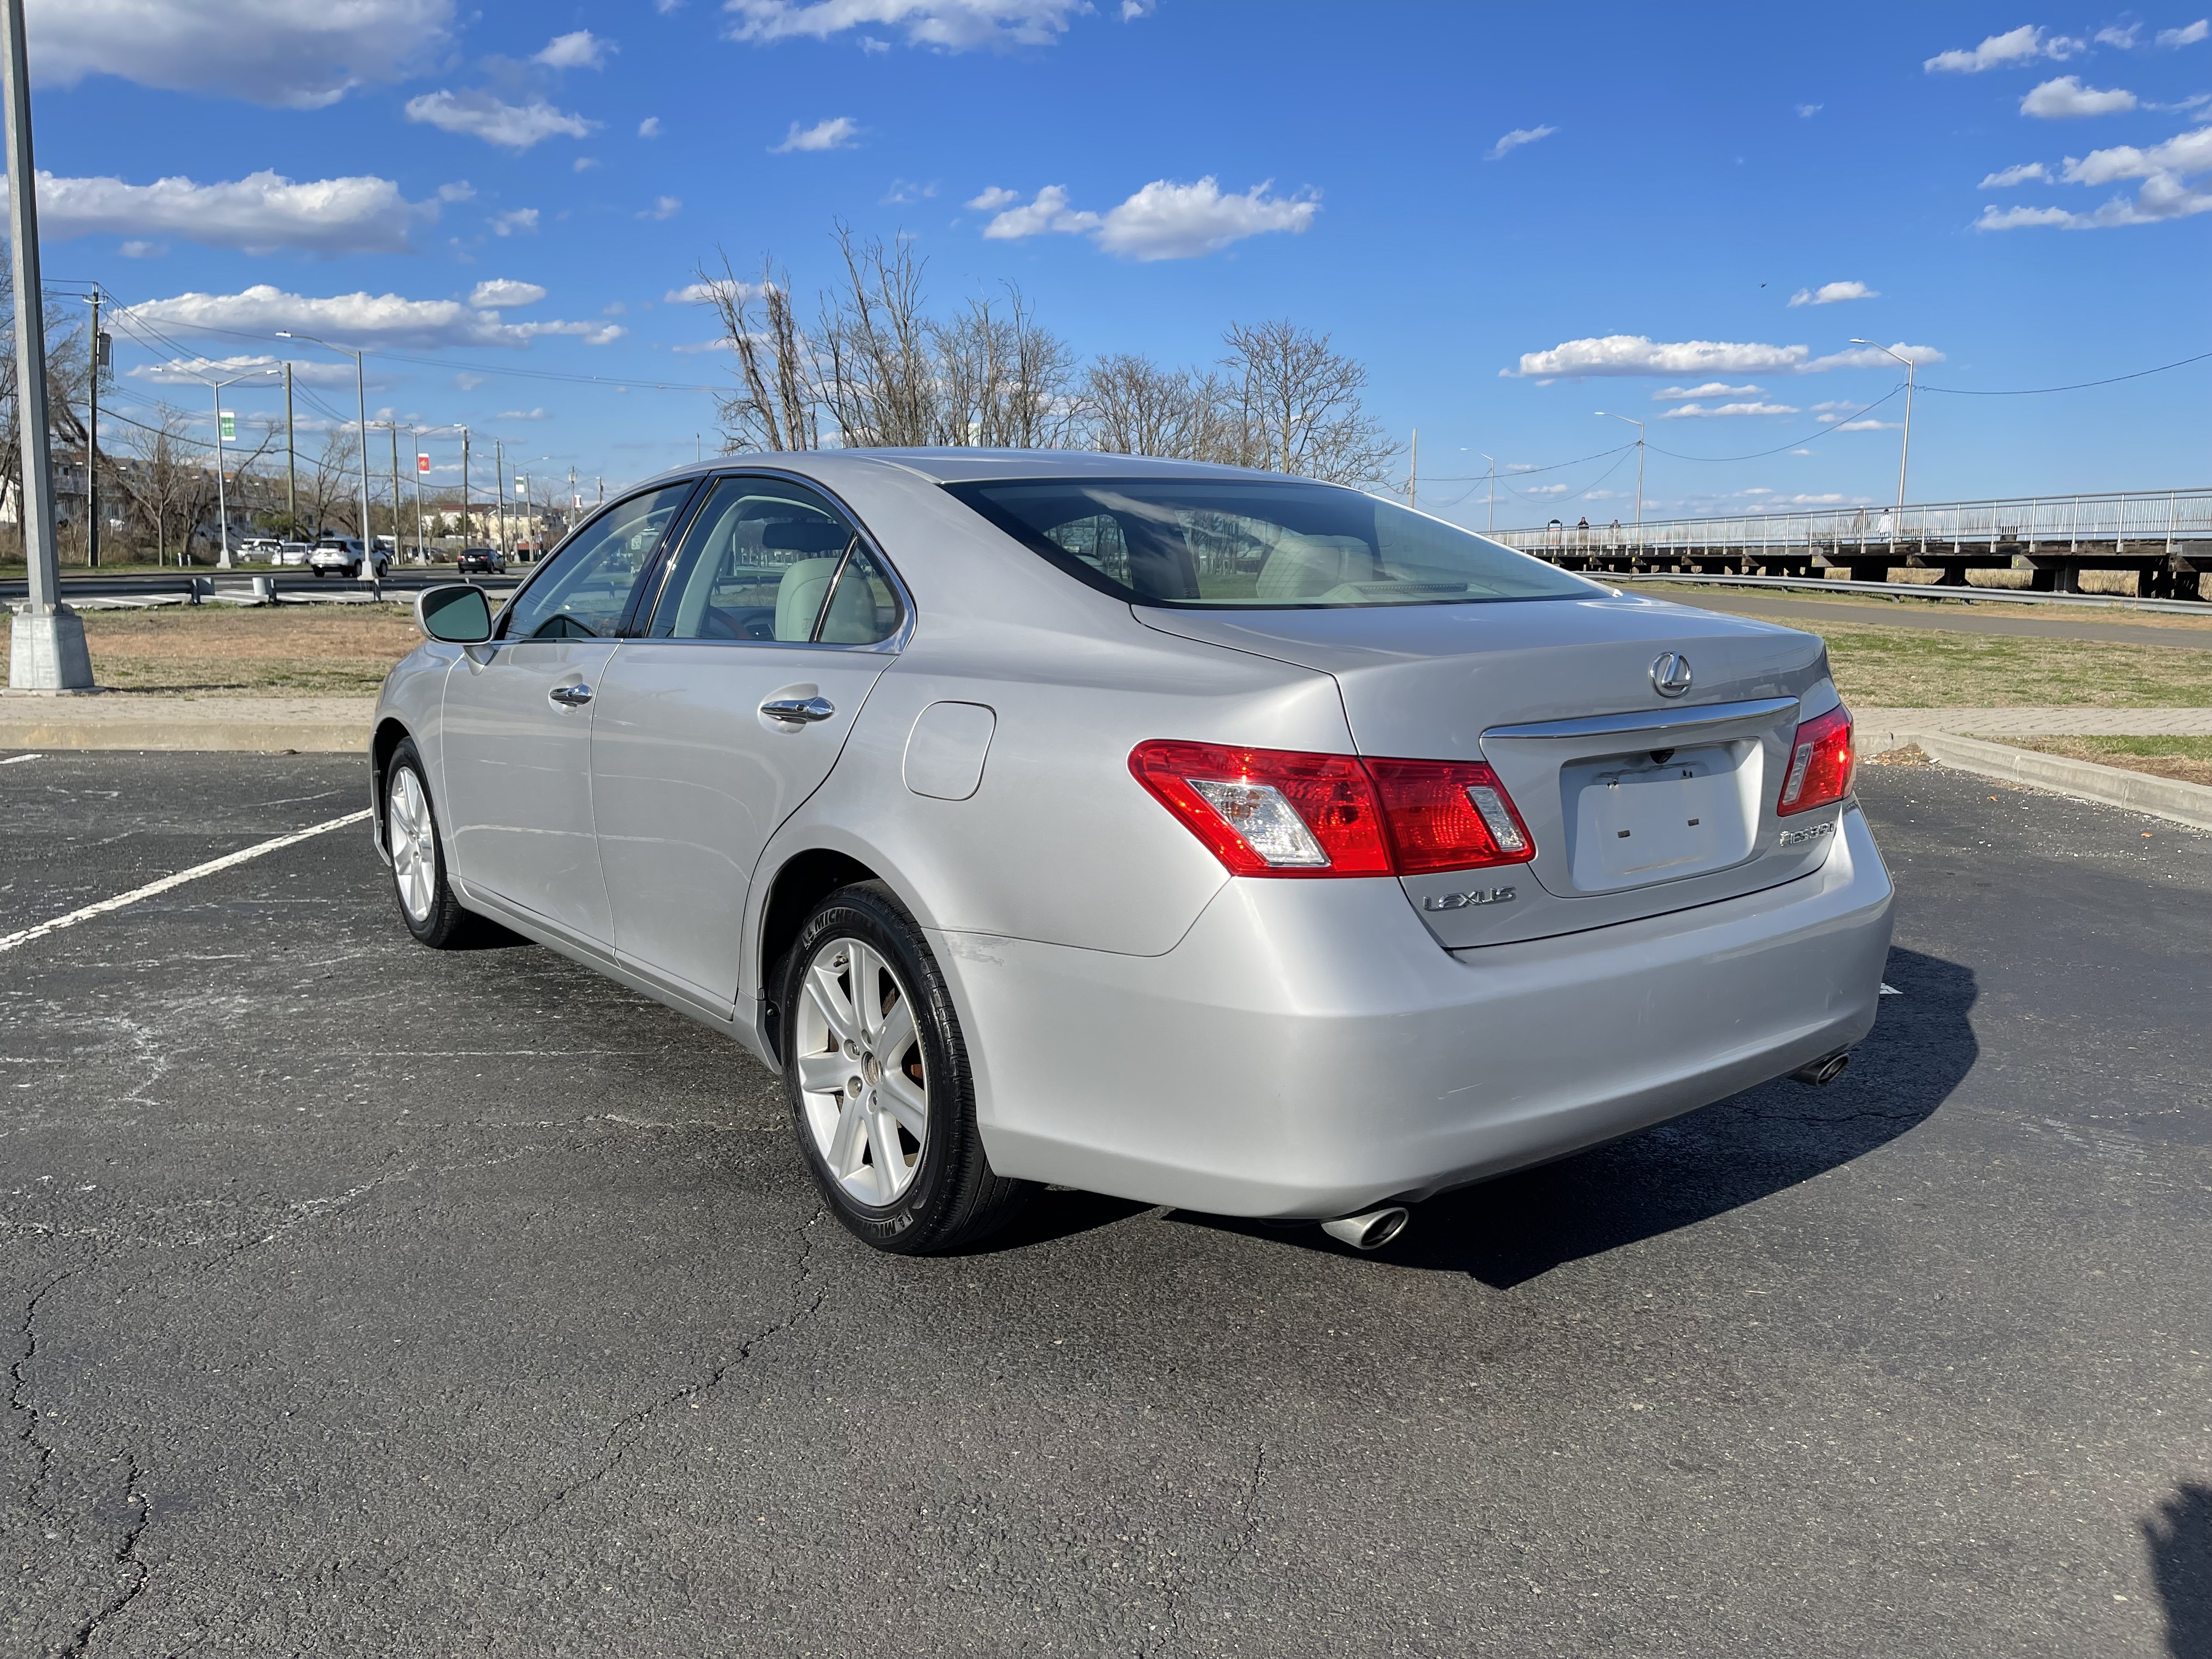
1258, 545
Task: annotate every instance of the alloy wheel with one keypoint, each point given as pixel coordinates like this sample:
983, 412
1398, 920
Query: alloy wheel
862, 1077
414, 845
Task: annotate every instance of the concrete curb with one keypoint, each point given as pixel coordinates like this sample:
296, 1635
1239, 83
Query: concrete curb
2109, 786
308, 737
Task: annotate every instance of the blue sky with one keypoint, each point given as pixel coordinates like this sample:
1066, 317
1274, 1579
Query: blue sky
1514, 215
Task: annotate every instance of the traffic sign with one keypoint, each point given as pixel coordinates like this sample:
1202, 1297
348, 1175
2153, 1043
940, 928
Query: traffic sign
421, 463
229, 428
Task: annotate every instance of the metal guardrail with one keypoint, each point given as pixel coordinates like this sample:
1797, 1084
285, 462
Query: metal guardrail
2165, 536
249, 587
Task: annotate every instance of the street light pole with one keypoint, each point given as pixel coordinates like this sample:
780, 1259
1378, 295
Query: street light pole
221, 494
1492, 522
45, 638
361, 395
1639, 425
1905, 453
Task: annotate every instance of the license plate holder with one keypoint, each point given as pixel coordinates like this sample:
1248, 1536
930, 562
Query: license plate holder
1635, 819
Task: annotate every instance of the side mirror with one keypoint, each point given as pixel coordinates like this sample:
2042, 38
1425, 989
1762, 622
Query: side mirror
456, 613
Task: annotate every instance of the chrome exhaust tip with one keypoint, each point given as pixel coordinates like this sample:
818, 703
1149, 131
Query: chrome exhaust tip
1370, 1229
1819, 1073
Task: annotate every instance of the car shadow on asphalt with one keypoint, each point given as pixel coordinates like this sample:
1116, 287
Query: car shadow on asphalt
1507, 1231
2180, 1542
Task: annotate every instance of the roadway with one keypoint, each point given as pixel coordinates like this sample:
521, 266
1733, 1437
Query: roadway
367, 1301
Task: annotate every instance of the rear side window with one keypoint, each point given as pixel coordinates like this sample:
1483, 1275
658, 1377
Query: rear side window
774, 562
1258, 544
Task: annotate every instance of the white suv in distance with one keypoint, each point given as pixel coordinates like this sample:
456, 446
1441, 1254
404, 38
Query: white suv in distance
343, 555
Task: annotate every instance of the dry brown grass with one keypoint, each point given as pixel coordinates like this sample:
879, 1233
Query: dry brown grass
1912, 668
324, 650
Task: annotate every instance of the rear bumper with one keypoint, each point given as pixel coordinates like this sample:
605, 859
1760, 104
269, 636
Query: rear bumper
1309, 1050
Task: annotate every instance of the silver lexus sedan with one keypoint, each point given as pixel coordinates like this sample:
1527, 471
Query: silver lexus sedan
1204, 837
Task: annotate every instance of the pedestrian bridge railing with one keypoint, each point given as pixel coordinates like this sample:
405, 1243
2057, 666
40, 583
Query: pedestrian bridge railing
2164, 536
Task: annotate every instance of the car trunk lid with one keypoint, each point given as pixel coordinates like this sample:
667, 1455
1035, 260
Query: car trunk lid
1638, 803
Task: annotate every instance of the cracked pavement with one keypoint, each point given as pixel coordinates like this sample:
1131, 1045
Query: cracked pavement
360, 1300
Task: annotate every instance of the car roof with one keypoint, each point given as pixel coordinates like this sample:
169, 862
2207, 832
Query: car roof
963, 466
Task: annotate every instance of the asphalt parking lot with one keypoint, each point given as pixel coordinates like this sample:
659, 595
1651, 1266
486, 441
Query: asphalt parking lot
363, 1300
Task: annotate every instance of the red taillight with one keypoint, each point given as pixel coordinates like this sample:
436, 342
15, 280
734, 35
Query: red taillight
1820, 763
1277, 812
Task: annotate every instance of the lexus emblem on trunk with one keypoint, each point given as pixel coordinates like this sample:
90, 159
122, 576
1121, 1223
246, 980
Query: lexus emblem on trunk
1670, 675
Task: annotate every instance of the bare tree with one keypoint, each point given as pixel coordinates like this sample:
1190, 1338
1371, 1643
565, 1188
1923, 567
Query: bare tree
1002, 380
1133, 406
67, 378
879, 376
331, 485
775, 405
1293, 406
165, 481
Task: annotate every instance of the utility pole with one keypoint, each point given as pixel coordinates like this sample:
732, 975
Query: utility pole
465, 486
1904, 454
100, 357
395, 492
1639, 425
1491, 523
45, 638
1413, 473
422, 466
499, 483
291, 460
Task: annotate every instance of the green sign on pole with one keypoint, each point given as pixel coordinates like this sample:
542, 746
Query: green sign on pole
229, 428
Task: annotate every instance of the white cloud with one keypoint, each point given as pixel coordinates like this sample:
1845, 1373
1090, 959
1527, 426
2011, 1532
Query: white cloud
1545, 489
1806, 112
1166, 221
693, 348
1830, 293
460, 191
539, 413
520, 222
1048, 213
2005, 178
580, 50
1709, 389
257, 214
649, 127
1132, 9
504, 293
948, 25
2164, 194
1162, 221
700, 294
1637, 354
142, 250
2188, 36
1688, 411
904, 191
995, 198
838, 133
2066, 99
2113, 36
198, 371
583, 164
293, 54
481, 115
1866, 425
1874, 357
2020, 45
385, 322
663, 207
1513, 140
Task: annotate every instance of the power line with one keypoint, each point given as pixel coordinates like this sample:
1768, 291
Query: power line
1794, 443
2078, 386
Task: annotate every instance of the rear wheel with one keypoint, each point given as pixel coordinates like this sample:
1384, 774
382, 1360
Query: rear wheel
877, 1072
427, 903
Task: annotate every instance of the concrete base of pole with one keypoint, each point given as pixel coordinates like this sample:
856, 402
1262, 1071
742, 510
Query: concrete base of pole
46, 653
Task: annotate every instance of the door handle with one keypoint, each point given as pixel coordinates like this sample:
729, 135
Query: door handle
802, 710
570, 696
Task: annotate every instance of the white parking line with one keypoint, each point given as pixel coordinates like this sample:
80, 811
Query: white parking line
17, 759
229, 860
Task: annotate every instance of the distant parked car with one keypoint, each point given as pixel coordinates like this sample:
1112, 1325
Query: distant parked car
490, 561
343, 554
259, 547
291, 553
